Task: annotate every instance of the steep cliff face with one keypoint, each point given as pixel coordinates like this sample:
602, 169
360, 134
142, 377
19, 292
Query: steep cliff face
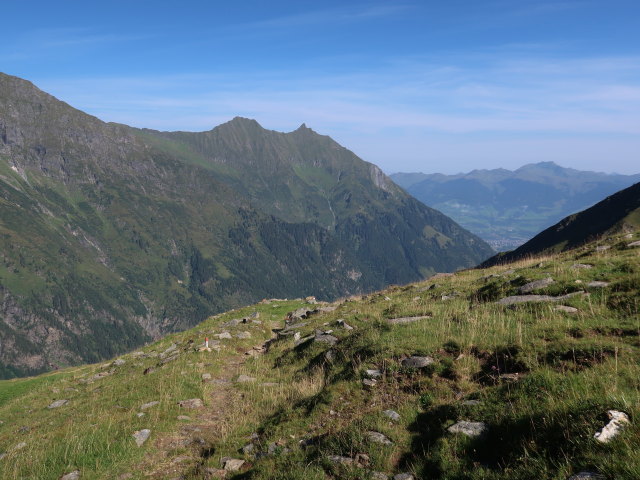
111, 236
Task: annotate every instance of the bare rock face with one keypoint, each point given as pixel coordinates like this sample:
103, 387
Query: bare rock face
617, 421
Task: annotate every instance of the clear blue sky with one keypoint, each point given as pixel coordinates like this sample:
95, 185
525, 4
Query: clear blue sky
433, 86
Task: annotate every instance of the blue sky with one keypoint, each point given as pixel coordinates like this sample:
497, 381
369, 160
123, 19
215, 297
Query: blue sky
432, 86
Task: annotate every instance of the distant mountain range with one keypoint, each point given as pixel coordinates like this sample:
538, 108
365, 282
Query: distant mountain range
507, 208
618, 213
111, 236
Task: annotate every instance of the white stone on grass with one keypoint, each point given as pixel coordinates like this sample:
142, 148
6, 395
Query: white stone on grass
141, 436
470, 429
617, 420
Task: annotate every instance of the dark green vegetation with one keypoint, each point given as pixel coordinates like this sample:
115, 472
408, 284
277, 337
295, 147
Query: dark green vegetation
112, 236
508, 208
618, 213
540, 378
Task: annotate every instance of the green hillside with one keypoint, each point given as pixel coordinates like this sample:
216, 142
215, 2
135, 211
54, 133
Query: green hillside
366, 387
112, 236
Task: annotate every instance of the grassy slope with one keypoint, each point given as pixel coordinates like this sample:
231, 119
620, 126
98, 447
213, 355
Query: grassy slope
571, 369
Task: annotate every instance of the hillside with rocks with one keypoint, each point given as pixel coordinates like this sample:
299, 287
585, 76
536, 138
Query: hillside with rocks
112, 236
507, 208
527, 370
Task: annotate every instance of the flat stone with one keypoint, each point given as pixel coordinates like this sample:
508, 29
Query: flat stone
565, 308
149, 405
243, 335
303, 340
325, 338
245, 379
377, 437
223, 336
369, 383
597, 284
191, 403
340, 459
58, 403
602, 248
392, 414
75, 475
536, 285
404, 320
403, 476
378, 476
119, 362
509, 377
206, 377
471, 403
634, 244
373, 373
171, 348
587, 476
617, 421
233, 464
417, 362
141, 436
470, 429
536, 298
584, 266
139, 414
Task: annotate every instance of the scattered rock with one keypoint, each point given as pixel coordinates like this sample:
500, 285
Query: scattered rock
139, 414
341, 323
377, 437
449, 296
378, 476
566, 309
191, 403
471, 403
536, 285
470, 429
141, 436
234, 322
536, 298
206, 377
171, 348
119, 362
248, 449
509, 377
245, 379
617, 420
223, 336
372, 373
602, 248
392, 414
323, 337
269, 384
232, 464
369, 383
330, 356
634, 244
75, 475
597, 284
403, 476
243, 335
340, 459
303, 340
585, 266
184, 418
417, 362
587, 476
149, 405
403, 320
58, 403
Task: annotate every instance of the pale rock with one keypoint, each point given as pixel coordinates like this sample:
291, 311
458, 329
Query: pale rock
404, 320
119, 362
566, 309
243, 335
140, 414
75, 475
536, 285
149, 405
245, 379
341, 323
369, 383
233, 464
373, 373
587, 476
602, 248
191, 403
223, 336
403, 476
340, 459
584, 266
141, 436
206, 377
183, 418
597, 284
634, 244
392, 414
58, 403
378, 476
377, 437
617, 420
470, 429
